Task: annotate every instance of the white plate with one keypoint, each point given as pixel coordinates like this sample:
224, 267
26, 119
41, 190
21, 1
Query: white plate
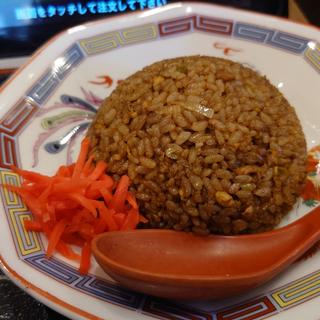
37, 107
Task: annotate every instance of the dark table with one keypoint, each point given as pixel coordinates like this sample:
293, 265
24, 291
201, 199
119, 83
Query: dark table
15, 304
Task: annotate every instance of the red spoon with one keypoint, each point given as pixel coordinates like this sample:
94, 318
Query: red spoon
184, 266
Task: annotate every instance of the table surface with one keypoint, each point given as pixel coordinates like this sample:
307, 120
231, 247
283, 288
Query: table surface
15, 304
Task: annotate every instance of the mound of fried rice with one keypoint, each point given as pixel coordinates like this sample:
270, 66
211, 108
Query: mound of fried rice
210, 146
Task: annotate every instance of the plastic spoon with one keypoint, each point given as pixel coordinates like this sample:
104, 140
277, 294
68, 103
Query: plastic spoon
184, 266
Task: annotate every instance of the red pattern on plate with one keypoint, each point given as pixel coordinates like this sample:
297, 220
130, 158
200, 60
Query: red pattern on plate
249, 311
202, 23
10, 126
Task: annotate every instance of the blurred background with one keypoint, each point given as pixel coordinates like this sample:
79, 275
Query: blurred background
27, 24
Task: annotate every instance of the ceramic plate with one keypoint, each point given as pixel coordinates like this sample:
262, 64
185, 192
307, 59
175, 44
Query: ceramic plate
57, 93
